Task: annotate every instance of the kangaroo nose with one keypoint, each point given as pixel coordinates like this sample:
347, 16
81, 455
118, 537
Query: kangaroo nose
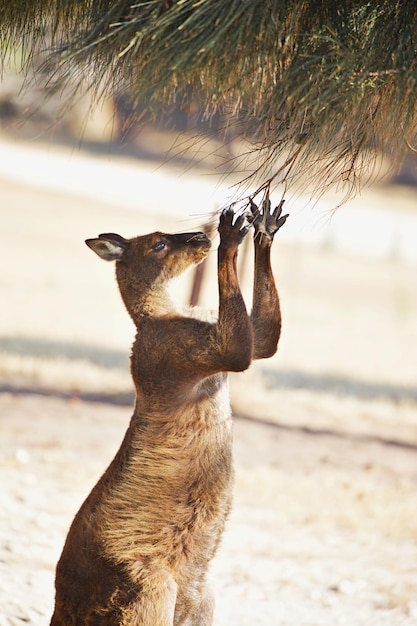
198, 237
192, 237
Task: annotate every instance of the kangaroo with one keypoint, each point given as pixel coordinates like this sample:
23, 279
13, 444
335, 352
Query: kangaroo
138, 549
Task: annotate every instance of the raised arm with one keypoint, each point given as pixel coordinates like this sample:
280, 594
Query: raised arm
182, 350
234, 328
266, 313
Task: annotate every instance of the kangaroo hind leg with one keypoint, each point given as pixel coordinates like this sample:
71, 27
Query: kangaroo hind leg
155, 605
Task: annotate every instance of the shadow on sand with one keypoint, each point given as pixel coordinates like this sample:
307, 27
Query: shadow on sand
109, 358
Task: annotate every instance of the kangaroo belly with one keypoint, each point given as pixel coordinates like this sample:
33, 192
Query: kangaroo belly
167, 493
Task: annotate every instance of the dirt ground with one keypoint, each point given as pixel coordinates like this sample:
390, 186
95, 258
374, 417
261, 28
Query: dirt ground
324, 526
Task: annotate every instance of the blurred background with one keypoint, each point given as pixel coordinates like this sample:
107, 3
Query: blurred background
326, 430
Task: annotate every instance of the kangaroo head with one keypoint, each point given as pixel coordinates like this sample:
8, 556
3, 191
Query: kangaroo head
145, 263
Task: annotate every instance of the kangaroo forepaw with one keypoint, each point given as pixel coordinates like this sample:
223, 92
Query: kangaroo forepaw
232, 228
265, 223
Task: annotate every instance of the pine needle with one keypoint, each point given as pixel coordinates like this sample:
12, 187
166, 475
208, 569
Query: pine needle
332, 84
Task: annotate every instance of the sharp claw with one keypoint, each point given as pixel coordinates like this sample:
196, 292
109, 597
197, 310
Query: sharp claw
233, 228
239, 221
266, 205
282, 220
266, 224
226, 214
278, 210
249, 217
254, 209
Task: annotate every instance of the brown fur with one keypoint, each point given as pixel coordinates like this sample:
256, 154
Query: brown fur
138, 549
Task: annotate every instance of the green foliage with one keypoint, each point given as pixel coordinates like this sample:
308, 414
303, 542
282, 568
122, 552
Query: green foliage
323, 84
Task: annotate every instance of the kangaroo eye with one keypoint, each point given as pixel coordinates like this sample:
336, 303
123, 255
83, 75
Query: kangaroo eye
160, 245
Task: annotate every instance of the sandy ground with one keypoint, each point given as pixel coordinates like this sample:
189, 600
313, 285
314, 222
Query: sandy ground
324, 526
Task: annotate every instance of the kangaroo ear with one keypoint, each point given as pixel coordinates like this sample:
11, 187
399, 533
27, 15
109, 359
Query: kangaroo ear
108, 246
